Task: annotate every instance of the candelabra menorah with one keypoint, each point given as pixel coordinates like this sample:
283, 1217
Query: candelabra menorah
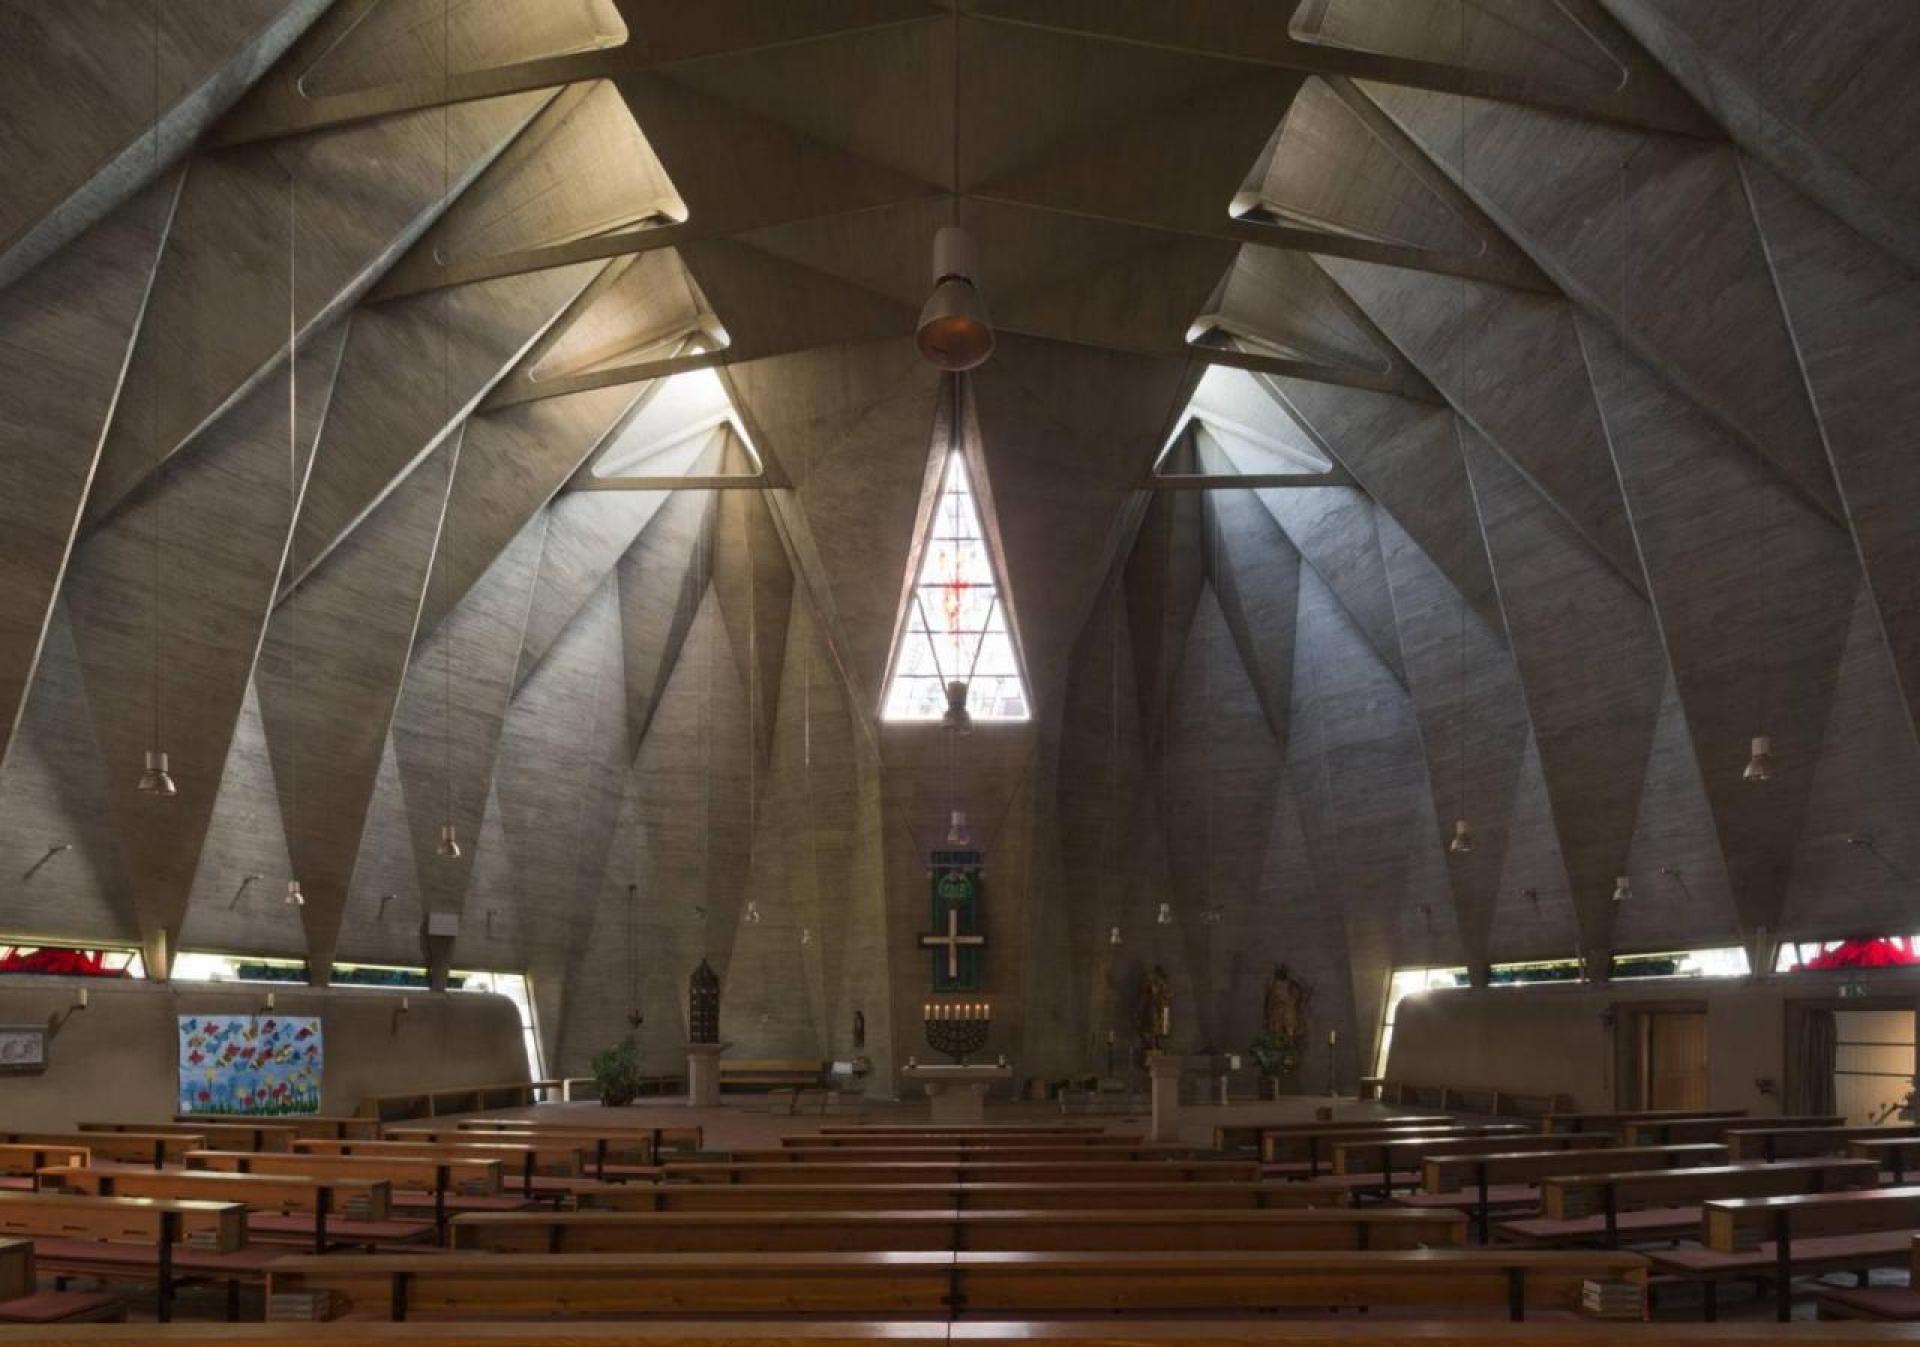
958, 1029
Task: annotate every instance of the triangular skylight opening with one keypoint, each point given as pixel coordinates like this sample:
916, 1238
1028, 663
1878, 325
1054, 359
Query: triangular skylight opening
956, 627
1232, 410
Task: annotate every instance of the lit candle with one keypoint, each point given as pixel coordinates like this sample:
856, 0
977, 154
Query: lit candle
989, 1009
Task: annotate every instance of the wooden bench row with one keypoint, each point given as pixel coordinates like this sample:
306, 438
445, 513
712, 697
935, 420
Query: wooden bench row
844, 1231
1031, 1196
1477, 1099
532, 1286
458, 1099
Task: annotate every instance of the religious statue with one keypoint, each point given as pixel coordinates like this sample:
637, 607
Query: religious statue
859, 1030
703, 1005
1285, 1011
1277, 1048
1155, 1017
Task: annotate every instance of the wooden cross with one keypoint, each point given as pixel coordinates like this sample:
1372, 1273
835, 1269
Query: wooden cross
953, 941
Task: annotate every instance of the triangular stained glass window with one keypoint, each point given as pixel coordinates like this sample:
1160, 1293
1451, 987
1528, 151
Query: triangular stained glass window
956, 627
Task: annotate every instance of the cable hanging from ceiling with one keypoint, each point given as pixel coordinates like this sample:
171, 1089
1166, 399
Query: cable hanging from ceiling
156, 776
295, 898
449, 845
1462, 843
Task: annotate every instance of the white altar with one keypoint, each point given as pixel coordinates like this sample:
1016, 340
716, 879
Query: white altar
958, 1094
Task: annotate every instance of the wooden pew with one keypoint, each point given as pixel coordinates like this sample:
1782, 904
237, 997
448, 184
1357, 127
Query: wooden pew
960, 1141
659, 1140
1380, 1152
1313, 1144
522, 1286
528, 1161
1868, 1228
1007, 1154
1574, 1198
1447, 1173
1003, 1231
1233, 1330
959, 1129
602, 1152
131, 1148
1899, 1154
25, 1162
1614, 1122
222, 1136
1789, 1143
366, 1201
962, 1197
441, 1180
338, 1127
967, 1171
143, 1239
1665, 1131
1246, 1136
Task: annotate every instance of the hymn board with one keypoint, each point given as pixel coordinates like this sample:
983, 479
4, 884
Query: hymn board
958, 939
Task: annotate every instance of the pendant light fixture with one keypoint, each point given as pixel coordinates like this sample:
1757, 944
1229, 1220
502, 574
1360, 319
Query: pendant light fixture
155, 777
295, 898
1113, 935
1760, 760
1622, 889
449, 847
1462, 843
958, 833
954, 333
1164, 916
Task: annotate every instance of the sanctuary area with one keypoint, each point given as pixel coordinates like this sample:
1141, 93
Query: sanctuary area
904, 673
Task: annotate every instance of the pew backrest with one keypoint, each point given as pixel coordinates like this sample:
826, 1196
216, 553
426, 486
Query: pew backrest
220, 1226
1570, 1197
1662, 1131
1786, 1143
1005, 1231
29, 1160
317, 1125
1447, 1173
405, 1173
1734, 1225
1613, 1122
966, 1171
362, 1198
224, 1136
540, 1157
132, 1148
952, 1196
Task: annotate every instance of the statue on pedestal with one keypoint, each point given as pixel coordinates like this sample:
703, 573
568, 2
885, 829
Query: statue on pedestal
703, 1005
1155, 1015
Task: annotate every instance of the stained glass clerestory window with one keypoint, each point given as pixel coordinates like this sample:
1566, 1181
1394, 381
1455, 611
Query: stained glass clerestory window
956, 626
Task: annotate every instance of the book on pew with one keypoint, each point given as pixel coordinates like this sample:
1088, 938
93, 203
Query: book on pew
1610, 1299
203, 1239
358, 1209
300, 1306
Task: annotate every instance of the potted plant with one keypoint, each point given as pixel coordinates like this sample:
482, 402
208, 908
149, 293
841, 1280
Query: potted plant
1275, 1055
616, 1072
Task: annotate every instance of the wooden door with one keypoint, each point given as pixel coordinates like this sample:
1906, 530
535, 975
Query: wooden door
1674, 1059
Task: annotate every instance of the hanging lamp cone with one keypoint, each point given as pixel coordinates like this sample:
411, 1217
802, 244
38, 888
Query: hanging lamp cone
957, 718
954, 332
1759, 760
155, 779
449, 848
1622, 889
1462, 841
958, 833
295, 898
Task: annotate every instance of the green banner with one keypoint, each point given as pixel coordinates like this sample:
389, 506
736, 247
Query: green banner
957, 941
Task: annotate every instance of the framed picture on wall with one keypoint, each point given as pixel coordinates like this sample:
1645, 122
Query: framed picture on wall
23, 1049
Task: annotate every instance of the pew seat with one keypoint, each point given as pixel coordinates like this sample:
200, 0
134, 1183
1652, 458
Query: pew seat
1658, 1223
1807, 1233
1804, 1258
22, 1302
1886, 1304
137, 1239
1458, 1282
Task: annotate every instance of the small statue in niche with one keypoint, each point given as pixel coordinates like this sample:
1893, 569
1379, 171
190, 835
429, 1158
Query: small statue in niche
1155, 1015
859, 1030
1284, 1012
703, 1005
